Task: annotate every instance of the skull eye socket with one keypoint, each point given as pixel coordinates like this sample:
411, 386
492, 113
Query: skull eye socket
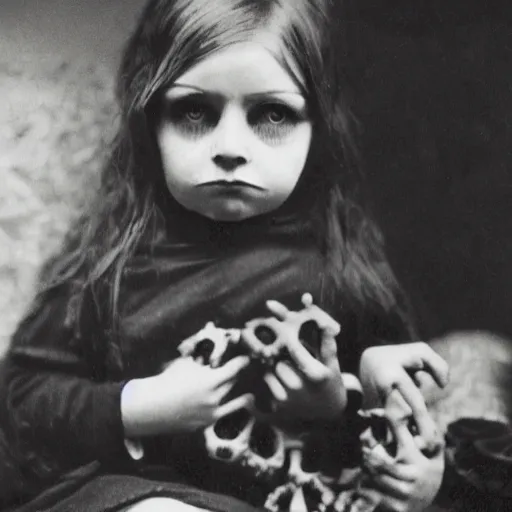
265, 334
380, 430
203, 350
382, 433
284, 502
263, 441
232, 425
312, 457
312, 496
310, 335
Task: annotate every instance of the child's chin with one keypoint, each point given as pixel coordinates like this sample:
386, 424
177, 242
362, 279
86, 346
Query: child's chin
232, 213
231, 217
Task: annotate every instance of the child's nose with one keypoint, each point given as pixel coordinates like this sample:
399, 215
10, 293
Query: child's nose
229, 163
230, 145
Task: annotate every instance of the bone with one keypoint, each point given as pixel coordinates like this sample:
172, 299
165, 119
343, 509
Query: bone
267, 466
228, 450
220, 339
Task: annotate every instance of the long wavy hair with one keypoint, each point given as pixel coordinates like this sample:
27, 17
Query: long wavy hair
172, 36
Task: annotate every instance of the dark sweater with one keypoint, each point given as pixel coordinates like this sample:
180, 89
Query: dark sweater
64, 374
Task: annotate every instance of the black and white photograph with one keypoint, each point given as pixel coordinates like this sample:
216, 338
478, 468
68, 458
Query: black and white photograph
255, 256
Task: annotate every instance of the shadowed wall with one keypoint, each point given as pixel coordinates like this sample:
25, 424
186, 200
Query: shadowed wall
434, 102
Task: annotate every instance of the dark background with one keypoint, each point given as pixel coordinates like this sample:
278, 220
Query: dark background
432, 93
433, 96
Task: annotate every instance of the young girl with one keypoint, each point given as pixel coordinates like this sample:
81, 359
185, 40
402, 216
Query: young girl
228, 185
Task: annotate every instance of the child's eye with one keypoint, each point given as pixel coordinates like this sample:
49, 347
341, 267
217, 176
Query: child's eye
274, 114
195, 113
273, 121
192, 116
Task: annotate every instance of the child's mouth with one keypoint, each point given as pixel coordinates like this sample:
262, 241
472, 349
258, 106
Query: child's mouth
230, 185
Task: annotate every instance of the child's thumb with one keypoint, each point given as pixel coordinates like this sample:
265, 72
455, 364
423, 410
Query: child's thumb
229, 370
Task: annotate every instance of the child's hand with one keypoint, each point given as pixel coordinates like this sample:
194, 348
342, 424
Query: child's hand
385, 368
307, 388
186, 396
412, 481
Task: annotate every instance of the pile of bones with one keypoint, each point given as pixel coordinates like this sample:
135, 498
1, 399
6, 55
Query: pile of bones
274, 454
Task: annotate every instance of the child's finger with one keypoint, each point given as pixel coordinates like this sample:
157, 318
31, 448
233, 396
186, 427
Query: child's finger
240, 402
398, 413
420, 356
415, 400
180, 362
276, 388
392, 468
231, 369
435, 365
222, 389
411, 447
288, 376
310, 367
392, 487
430, 441
391, 503
329, 353
280, 310
428, 386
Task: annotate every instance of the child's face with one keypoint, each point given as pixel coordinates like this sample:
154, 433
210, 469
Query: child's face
235, 134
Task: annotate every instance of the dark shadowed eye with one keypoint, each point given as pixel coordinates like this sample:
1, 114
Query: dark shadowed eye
192, 109
192, 115
195, 113
273, 121
276, 114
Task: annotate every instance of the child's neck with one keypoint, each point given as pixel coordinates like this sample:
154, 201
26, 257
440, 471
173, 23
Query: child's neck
190, 226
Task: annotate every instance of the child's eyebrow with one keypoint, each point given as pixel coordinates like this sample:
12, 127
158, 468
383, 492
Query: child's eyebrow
255, 95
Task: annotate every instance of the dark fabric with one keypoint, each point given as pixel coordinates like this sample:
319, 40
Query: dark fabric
478, 475
480, 454
64, 372
88, 489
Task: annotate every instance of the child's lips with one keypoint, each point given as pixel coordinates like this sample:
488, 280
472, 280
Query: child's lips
230, 185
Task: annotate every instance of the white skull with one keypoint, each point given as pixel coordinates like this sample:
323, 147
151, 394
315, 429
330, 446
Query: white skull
241, 438
376, 441
360, 499
267, 339
240, 442
209, 344
317, 492
314, 489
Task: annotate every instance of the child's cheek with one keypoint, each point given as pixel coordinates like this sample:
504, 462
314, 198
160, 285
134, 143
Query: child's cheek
195, 156
184, 159
288, 157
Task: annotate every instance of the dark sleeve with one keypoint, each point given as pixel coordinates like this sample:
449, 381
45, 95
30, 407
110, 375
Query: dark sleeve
61, 411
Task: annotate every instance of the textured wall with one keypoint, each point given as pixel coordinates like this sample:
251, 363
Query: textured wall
76, 29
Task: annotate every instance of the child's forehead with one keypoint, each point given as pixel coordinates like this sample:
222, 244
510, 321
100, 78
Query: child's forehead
243, 69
